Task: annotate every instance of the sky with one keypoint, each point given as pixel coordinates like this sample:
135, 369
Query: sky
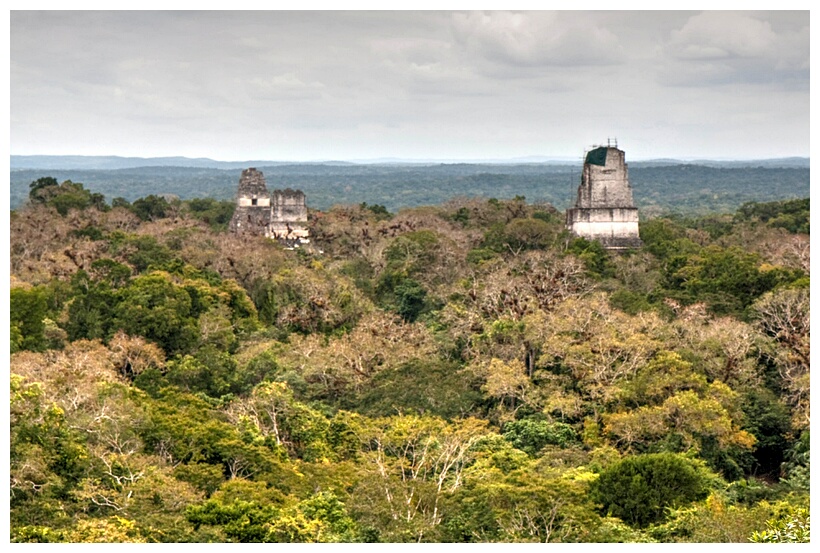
362, 85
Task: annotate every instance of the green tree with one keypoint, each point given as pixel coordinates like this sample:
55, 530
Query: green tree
215, 213
154, 307
412, 463
209, 371
419, 386
65, 196
144, 252
41, 189
524, 503
91, 312
519, 235
639, 488
28, 309
410, 299
150, 207
532, 435
593, 255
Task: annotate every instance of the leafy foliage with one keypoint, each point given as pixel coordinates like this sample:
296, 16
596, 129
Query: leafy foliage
462, 373
637, 489
793, 527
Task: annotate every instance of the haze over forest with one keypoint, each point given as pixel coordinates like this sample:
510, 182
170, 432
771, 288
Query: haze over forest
666, 186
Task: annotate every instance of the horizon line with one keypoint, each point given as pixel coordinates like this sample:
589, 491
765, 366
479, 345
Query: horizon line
534, 158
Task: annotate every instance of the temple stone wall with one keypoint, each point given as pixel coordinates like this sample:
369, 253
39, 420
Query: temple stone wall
252, 213
289, 206
282, 215
289, 216
604, 209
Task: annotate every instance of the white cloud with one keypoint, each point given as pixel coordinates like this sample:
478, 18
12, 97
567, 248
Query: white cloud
710, 35
735, 47
535, 39
414, 84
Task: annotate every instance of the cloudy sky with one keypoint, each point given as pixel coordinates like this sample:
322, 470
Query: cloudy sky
435, 85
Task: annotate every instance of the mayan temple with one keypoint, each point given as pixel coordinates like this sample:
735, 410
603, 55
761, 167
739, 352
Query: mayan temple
252, 214
281, 215
288, 220
604, 210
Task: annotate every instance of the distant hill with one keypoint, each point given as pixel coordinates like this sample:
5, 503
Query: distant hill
658, 187
92, 163
797, 162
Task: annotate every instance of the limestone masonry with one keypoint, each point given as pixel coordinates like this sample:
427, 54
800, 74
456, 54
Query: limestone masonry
604, 210
282, 215
289, 215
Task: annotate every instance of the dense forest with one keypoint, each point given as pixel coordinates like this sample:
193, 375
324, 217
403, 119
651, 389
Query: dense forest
459, 372
659, 188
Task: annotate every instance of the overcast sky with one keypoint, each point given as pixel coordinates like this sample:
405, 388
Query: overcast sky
443, 85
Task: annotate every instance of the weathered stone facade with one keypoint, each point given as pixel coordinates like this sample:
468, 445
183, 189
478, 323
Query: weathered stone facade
604, 210
281, 215
252, 214
288, 221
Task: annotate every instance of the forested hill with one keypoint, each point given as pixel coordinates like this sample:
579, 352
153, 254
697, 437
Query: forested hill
658, 187
462, 372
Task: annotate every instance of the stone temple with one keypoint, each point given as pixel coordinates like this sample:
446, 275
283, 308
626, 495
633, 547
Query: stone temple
288, 219
281, 215
604, 210
252, 213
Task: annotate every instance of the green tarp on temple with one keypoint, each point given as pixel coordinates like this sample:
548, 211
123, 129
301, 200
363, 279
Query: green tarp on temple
597, 156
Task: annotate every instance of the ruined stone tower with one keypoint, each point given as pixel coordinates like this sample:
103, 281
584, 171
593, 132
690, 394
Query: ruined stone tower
252, 214
288, 220
604, 210
282, 215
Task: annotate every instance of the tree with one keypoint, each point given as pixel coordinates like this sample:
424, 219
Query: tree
282, 423
727, 349
686, 418
151, 207
520, 235
305, 301
507, 497
152, 306
91, 312
410, 296
663, 376
41, 189
507, 382
531, 435
65, 196
716, 520
593, 255
143, 252
321, 518
785, 316
345, 363
535, 280
46, 456
215, 213
599, 346
27, 312
420, 386
411, 464
639, 488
